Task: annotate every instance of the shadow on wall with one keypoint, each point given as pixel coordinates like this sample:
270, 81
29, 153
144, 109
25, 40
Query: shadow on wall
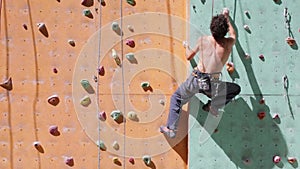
248, 141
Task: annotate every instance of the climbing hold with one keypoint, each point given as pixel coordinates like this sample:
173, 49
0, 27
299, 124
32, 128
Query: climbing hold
262, 101
87, 3
95, 78
101, 71
247, 56
116, 160
25, 26
276, 159
131, 160
247, 28
276, 118
246, 160
230, 67
55, 70
131, 2
116, 114
7, 84
42, 28
130, 56
147, 159
162, 101
132, 116
130, 28
88, 13
102, 116
145, 85
261, 115
53, 100
291, 41
101, 145
285, 82
194, 9
69, 161
116, 145
292, 160
116, 57
71, 42
130, 43
103, 3
116, 28
247, 14
85, 101
87, 86
54, 130
262, 57
38, 146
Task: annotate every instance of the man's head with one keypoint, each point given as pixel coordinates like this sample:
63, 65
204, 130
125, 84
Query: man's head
219, 26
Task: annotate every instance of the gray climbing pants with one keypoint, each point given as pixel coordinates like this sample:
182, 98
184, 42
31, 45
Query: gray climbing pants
220, 93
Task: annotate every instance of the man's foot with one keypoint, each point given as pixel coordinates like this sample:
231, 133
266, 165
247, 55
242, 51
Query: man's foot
168, 132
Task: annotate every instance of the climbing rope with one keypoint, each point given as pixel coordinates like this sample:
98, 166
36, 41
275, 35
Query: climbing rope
97, 87
212, 8
123, 87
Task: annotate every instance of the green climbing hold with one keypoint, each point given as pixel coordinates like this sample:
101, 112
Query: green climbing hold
116, 114
131, 2
130, 56
85, 101
101, 145
147, 159
87, 12
145, 85
87, 86
132, 116
116, 145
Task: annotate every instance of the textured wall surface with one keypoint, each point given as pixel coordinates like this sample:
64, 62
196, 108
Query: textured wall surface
70, 48
239, 139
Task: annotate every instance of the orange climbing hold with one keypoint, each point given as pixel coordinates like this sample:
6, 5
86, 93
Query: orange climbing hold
230, 67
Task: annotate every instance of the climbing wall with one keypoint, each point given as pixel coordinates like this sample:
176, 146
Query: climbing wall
260, 128
87, 84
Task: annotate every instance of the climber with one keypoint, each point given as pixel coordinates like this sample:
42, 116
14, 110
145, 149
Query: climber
214, 52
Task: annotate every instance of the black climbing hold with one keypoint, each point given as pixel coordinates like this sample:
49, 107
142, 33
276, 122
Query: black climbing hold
131, 2
7, 84
43, 29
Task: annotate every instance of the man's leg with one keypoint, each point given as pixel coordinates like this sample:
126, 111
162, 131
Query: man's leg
221, 93
181, 96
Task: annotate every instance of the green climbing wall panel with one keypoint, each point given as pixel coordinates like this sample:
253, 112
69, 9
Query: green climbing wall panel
241, 139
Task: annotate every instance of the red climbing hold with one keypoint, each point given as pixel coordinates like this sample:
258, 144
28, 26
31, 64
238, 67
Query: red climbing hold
101, 71
102, 116
53, 100
131, 160
261, 115
54, 130
291, 41
55, 70
276, 159
69, 161
262, 57
262, 101
130, 42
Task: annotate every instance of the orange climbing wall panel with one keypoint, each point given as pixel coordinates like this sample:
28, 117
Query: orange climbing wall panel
29, 57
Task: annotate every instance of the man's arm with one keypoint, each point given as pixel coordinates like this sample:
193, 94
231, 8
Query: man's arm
190, 53
232, 33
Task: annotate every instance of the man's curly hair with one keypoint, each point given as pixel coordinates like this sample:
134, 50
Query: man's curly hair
219, 26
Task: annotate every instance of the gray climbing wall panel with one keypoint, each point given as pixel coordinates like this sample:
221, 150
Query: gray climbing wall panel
241, 139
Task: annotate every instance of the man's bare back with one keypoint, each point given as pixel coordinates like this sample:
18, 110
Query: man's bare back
213, 54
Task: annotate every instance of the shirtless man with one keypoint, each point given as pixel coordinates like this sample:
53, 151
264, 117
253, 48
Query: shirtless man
214, 52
